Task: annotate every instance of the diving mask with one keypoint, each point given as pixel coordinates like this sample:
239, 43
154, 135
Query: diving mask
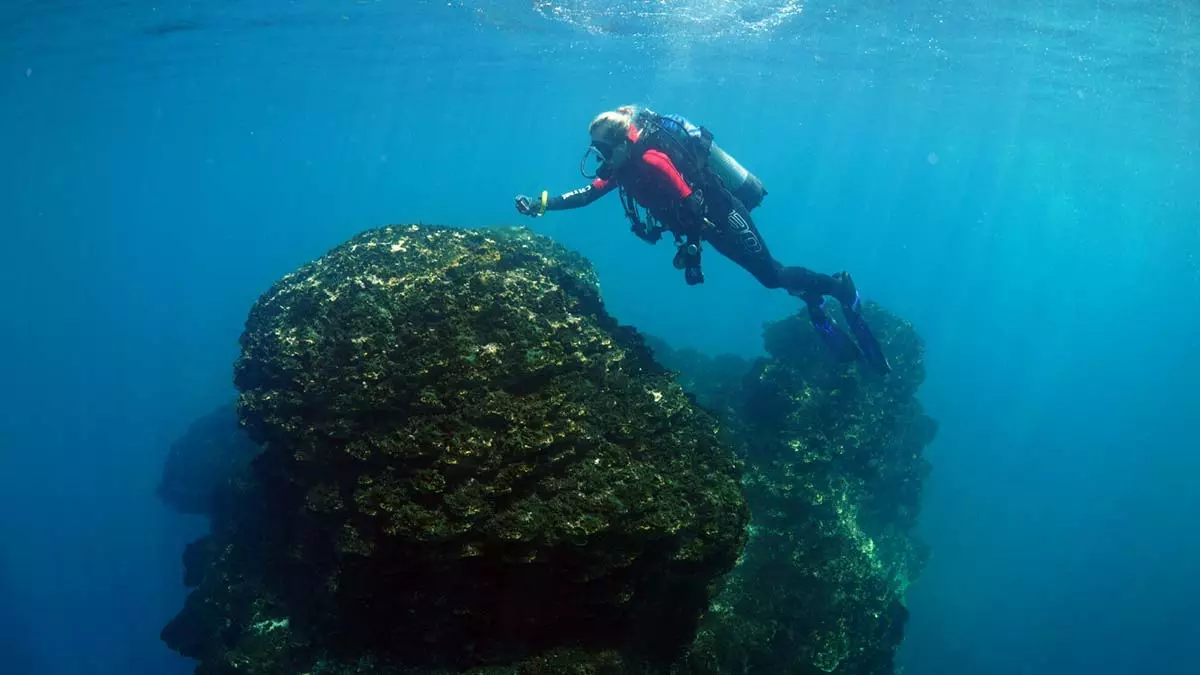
598, 157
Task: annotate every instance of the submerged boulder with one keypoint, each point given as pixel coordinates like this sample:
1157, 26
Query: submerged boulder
466, 463
834, 470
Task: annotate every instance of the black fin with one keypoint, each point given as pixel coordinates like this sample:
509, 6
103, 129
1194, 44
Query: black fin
833, 335
872, 352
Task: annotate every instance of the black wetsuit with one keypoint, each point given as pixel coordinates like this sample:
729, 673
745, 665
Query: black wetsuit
736, 237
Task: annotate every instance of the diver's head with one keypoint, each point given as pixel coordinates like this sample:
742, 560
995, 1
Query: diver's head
612, 123
611, 140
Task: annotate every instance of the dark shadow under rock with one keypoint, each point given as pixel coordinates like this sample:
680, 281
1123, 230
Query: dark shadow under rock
211, 453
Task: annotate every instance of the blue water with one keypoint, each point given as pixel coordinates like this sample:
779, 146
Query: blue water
1020, 182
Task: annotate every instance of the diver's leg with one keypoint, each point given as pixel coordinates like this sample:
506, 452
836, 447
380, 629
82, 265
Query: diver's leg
736, 237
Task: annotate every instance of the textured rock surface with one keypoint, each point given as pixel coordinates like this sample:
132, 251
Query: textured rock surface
212, 451
834, 472
466, 464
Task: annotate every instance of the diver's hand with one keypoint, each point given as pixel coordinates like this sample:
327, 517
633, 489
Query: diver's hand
529, 206
687, 258
693, 206
650, 236
691, 213
687, 255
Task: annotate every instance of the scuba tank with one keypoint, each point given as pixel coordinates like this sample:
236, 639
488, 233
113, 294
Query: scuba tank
743, 184
709, 156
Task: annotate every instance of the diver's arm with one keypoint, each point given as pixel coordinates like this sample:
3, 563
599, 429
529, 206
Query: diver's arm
672, 179
570, 200
581, 197
689, 213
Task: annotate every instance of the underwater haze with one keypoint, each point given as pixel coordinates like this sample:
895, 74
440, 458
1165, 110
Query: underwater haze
1020, 180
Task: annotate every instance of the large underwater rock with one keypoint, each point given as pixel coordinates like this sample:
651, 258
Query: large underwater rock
464, 467
834, 473
466, 464
203, 463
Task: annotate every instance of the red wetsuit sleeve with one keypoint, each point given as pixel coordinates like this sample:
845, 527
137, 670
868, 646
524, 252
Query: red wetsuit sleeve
670, 175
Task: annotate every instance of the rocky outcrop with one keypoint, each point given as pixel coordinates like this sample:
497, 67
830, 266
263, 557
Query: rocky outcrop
834, 474
466, 464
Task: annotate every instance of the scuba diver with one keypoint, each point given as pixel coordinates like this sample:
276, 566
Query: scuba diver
672, 177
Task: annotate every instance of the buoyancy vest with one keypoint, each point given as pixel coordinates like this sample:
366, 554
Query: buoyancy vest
701, 161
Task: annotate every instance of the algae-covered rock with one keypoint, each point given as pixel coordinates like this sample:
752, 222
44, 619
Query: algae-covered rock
466, 463
210, 454
834, 471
